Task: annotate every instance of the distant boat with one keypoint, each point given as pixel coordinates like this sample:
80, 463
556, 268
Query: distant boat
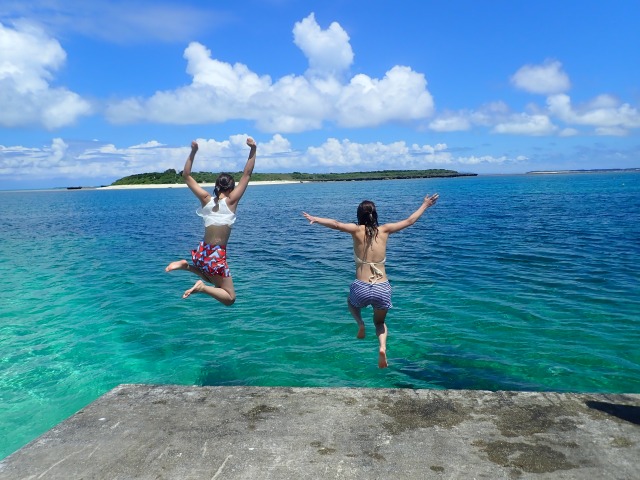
74, 188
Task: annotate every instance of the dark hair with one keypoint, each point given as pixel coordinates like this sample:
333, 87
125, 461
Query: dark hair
224, 183
368, 217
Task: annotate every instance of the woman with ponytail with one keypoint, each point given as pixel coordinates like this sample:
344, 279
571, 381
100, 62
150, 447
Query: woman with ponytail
219, 214
371, 286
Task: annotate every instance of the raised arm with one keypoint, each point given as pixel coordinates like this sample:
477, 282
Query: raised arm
413, 218
197, 190
331, 223
236, 194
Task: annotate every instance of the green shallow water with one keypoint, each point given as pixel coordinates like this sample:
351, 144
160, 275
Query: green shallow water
508, 283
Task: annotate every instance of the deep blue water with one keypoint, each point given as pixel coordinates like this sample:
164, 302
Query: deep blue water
509, 283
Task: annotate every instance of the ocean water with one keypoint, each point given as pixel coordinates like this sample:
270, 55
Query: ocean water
508, 283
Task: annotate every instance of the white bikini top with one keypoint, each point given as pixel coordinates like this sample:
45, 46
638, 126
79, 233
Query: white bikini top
217, 213
375, 271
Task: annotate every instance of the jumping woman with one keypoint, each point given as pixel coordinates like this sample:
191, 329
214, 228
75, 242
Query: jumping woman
219, 214
371, 286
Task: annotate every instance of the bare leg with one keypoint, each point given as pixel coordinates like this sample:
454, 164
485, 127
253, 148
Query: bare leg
355, 312
381, 332
223, 291
177, 265
184, 265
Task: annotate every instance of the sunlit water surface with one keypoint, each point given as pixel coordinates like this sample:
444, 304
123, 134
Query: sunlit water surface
508, 283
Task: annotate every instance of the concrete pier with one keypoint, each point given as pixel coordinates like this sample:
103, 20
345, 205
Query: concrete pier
176, 432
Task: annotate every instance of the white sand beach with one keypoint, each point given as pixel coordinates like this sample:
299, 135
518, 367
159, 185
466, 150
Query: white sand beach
204, 185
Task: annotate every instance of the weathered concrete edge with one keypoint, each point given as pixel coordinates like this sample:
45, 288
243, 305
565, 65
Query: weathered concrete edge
499, 433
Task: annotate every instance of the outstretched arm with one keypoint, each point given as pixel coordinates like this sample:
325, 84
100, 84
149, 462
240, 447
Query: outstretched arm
331, 223
413, 218
236, 194
197, 190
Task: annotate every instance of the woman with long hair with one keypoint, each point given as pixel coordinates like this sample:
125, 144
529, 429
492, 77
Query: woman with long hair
218, 212
371, 286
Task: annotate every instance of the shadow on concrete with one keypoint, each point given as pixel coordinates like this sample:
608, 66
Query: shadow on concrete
628, 413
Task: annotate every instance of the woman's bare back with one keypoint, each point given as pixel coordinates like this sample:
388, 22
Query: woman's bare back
371, 255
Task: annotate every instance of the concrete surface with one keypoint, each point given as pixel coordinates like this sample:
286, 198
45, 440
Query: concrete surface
176, 432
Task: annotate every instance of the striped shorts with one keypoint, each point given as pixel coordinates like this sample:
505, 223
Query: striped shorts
378, 295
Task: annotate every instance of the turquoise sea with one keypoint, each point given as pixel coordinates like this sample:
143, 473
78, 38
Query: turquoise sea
524, 282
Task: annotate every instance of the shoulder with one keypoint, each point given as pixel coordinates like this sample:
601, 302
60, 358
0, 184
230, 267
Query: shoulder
230, 205
352, 228
387, 228
226, 201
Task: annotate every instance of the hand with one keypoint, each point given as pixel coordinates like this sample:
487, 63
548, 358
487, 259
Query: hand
311, 219
194, 146
430, 200
251, 142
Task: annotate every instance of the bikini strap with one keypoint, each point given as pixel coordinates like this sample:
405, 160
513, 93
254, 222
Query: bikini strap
376, 272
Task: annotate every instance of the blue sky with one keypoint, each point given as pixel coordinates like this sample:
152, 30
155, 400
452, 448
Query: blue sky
93, 91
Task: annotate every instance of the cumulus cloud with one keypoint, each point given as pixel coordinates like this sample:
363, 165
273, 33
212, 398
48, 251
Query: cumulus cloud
106, 162
346, 155
401, 95
451, 122
328, 51
220, 91
545, 79
27, 162
568, 132
487, 115
605, 113
28, 60
525, 124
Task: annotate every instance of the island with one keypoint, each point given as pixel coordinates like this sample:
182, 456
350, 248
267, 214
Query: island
171, 177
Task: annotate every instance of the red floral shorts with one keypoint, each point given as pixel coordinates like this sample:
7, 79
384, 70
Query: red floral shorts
211, 259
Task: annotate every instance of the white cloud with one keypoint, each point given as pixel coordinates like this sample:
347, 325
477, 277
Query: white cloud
604, 112
328, 51
401, 95
568, 132
28, 59
451, 122
545, 79
486, 116
108, 162
105, 160
26, 162
220, 91
349, 156
525, 124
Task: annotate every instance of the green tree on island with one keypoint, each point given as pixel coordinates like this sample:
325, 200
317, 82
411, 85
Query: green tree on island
172, 177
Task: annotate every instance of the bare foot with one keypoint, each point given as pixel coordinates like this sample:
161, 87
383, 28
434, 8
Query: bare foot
361, 331
197, 287
177, 265
382, 359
